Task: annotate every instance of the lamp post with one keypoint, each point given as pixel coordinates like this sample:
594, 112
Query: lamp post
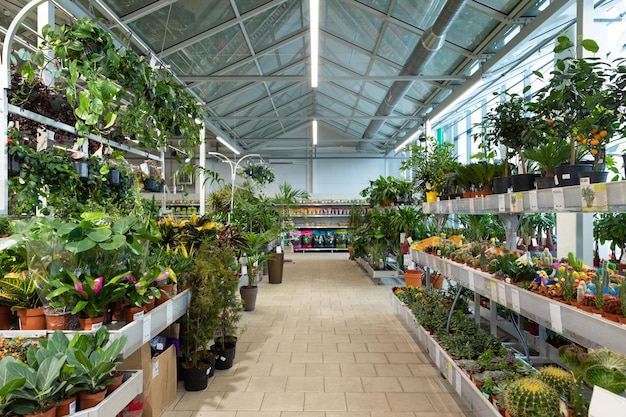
233, 173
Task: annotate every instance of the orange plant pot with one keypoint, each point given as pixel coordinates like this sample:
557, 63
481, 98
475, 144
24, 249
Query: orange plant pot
32, 319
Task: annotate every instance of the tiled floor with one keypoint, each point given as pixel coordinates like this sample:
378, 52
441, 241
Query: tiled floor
324, 343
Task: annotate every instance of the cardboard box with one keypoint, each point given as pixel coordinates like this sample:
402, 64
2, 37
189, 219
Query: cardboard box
159, 378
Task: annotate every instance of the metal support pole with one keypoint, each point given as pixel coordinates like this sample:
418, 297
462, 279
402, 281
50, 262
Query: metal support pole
202, 178
5, 85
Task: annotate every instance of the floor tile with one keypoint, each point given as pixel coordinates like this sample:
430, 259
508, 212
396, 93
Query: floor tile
283, 401
241, 401
381, 384
357, 369
267, 384
322, 369
200, 400
410, 402
289, 369
368, 357
229, 383
336, 357
324, 401
367, 402
343, 384
306, 357
305, 384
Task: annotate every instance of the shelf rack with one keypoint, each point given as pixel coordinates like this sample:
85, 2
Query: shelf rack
587, 329
449, 370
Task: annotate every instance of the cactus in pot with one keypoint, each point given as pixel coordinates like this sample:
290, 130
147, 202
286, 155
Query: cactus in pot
531, 397
622, 296
558, 378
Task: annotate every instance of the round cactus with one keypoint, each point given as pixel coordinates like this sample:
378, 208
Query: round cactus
531, 397
561, 380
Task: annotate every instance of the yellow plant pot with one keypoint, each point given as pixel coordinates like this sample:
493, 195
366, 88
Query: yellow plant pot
431, 196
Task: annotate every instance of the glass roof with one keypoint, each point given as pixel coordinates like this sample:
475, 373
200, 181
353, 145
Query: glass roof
249, 60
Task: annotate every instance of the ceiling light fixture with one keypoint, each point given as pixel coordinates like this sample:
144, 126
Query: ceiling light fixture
228, 145
314, 21
314, 126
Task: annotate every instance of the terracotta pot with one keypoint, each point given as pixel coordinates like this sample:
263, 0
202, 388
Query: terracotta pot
32, 319
88, 400
49, 413
58, 321
117, 382
147, 307
437, 280
413, 277
91, 323
167, 292
67, 406
5, 317
131, 311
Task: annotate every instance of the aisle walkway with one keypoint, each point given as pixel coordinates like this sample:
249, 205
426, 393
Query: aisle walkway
324, 343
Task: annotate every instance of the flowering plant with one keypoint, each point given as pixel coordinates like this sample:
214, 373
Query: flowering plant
140, 290
93, 294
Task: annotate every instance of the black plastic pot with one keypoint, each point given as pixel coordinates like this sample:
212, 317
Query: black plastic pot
567, 175
275, 268
224, 357
545, 182
501, 185
14, 166
595, 177
196, 379
523, 182
82, 169
209, 359
248, 296
149, 184
113, 177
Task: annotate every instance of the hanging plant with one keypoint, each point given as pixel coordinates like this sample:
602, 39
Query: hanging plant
260, 173
155, 106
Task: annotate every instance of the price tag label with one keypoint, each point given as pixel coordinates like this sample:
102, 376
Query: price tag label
472, 208
494, 291
96, 326
502, 203
450, 371
502, 293
169, 313
458, 382
555, 318
516, 202
515, 300
558, 199
470, 277
147, 328
533, 202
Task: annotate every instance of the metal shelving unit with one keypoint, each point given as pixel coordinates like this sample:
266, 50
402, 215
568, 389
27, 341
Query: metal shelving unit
587, 329
118, 399
455, 376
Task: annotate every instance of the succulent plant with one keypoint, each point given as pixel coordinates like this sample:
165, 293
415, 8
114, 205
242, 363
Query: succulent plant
622, 296
546, 258
561, 380
612, 304
531, 397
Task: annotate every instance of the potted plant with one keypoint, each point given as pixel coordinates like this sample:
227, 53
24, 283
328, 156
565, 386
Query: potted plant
40, 392
95, 360
253, 258
528, 397
201, 321
224, 284
429, 164
548, 154
506, 125
576, 87
20, 291
611, 227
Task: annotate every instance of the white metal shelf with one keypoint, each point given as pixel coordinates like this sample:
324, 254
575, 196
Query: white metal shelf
545, 199
118, 399
321, 250
587, 329
304, 216
450, 371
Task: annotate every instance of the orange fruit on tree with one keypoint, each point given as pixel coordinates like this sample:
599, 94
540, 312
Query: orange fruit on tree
603, 133
594, 151
594, 142
594, 130
550, 121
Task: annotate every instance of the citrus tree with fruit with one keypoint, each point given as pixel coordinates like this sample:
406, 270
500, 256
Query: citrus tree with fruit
572, 101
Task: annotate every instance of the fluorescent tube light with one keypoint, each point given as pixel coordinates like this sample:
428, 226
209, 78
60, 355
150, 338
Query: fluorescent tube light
407, 141
228, 145
314, 21
314, 126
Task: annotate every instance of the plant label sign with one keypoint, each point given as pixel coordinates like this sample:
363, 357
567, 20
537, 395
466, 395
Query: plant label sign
533, 202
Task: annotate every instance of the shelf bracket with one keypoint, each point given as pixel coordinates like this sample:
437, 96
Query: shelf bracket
511, 223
